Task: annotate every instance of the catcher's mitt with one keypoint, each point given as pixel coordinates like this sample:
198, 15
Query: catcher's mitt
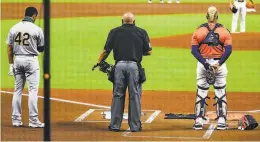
234, 9
104, 67
210, 75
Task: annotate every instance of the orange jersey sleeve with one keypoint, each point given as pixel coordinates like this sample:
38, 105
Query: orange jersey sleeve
199, 35
194, 40
225, 36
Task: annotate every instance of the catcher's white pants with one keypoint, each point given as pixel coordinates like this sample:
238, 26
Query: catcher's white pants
203, 86
220, 75
241, 10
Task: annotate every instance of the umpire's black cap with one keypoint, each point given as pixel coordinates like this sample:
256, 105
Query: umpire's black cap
30, 11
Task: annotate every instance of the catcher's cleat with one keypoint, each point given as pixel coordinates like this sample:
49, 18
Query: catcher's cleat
197, 126
222, 126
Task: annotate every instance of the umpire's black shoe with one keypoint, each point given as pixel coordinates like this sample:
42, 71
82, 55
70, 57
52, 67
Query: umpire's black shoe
114, 130
138, 130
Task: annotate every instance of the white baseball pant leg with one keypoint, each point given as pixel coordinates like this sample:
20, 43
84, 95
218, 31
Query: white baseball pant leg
241, 10
243, 17
19, 86
33, 78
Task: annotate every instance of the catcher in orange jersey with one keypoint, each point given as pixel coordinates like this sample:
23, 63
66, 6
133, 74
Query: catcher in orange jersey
211, 46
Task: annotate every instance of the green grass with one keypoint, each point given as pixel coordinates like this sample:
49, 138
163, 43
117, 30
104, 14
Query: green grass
121, 1
77, 42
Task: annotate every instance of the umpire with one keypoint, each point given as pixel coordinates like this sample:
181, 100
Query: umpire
129, 44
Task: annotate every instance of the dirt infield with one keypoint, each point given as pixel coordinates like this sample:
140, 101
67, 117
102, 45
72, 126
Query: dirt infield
241, 41
66, 10
71, 104
64, 114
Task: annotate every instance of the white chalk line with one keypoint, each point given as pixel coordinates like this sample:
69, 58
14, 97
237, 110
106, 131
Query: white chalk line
107, 107
149, 120
207, 135
84, 115
90, 111
153, 116
127, 132
65, 101
210, 131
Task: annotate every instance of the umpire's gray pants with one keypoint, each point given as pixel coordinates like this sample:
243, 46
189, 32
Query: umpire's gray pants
126, 75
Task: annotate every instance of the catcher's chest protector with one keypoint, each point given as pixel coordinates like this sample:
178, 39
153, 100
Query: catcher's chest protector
212, 38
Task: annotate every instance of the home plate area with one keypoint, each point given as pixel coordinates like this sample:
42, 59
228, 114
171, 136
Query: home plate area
174, 129
104, 115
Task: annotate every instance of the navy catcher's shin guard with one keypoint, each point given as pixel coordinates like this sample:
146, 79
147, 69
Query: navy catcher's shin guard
200, 107
221, 107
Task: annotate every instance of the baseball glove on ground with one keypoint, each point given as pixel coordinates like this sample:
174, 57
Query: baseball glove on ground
234, 9
210, 75
247, 122
104, 67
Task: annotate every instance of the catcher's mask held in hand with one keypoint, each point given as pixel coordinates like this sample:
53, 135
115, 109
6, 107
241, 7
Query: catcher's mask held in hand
210, 75
104, 67
247, 122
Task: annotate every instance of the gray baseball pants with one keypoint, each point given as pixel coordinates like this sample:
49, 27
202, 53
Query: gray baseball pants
26, 68
126, 75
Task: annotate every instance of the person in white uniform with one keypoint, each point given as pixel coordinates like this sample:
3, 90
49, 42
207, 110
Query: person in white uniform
241, 10
24, 41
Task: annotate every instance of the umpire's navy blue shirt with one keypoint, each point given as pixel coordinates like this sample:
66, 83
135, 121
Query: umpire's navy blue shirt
128, 42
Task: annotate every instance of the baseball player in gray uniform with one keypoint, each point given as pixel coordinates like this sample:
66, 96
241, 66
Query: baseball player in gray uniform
25, 40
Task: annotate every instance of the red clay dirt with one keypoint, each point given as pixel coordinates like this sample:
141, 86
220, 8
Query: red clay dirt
68, 10
241, 41
63, 116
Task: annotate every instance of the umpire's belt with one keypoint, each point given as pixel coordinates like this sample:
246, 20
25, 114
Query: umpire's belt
28, 55
125, 62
